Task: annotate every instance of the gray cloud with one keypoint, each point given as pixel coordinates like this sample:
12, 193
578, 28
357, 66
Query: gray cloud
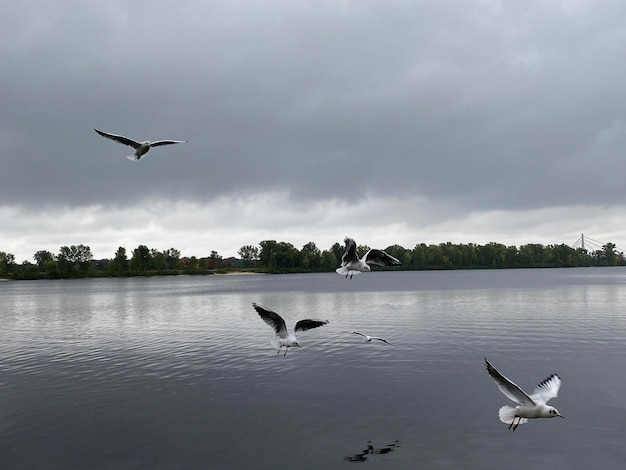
472, 106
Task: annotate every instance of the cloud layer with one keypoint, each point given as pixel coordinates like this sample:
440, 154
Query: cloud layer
460, 121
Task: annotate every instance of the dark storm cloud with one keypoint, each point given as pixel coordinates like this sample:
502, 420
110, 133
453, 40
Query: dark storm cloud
481, 104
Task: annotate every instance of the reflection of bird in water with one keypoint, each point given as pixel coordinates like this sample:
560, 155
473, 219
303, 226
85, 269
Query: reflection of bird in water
371, 450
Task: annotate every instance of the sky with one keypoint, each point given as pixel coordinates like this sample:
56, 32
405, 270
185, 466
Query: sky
392, 122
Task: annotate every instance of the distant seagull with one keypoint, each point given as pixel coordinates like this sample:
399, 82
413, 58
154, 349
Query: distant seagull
530, 406
284, 338
141, 148
368, 338
351, 264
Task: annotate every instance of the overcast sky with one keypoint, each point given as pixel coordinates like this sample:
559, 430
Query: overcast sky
388, 121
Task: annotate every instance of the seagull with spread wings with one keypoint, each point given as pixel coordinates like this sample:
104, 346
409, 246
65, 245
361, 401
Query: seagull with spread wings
530, 406
368, 338
283, 337
141, 148
351, 264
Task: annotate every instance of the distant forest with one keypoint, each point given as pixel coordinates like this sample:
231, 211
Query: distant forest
270, 256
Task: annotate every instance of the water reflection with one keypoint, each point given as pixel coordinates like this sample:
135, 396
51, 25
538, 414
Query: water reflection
370, 450
179, 372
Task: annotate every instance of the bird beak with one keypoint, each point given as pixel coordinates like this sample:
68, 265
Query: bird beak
561, 416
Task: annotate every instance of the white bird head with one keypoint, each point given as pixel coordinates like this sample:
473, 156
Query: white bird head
553, 413
367, 268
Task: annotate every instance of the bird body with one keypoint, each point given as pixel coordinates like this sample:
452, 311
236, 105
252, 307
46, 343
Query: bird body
141, 148
368, 338
351, 264
530, 406
285, 339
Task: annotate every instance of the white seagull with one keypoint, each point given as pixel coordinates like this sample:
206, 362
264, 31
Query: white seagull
284, 338
351, 264
530, 406
141, 148
368, 338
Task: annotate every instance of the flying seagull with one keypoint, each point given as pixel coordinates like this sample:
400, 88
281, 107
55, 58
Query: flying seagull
530, 406
351, 264
141, 148
284, 338
368, 338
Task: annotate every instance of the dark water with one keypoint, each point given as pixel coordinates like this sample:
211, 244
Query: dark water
169, 373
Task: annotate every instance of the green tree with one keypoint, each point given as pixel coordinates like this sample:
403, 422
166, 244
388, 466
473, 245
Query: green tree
249, 254
158, 260
74, 260
278, 256
7, 262
172, 257
609, 255
337, 250
215, 260
287, 255
41, 257
310, 256
119, 264
267, 255
141, 261
419, 255
329, 261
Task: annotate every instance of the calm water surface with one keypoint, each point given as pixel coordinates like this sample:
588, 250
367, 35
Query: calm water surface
178, 372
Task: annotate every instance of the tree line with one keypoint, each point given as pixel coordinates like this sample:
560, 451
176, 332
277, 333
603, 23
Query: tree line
270, 256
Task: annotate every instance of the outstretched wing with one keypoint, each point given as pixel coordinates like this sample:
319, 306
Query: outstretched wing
381, 339
547, 389
273, 319
309, 324
158, 143
359, 333
119, 138
380, 258
510, 389
350, 254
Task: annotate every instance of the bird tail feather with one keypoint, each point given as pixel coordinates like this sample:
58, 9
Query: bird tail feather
507, 415
346, 272
132, 158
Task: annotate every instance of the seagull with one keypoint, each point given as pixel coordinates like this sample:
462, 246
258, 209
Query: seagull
351, 264
530, 406
368, 338
284, 338
141, 148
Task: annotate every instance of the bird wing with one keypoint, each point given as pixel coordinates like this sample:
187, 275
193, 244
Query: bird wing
350, 254
510, 389
380, 258
359, 333
309, 324
273, 319
381, 339
120, 138
547, 389
158, 143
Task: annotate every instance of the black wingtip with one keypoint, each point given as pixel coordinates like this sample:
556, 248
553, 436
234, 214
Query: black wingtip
545, 381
